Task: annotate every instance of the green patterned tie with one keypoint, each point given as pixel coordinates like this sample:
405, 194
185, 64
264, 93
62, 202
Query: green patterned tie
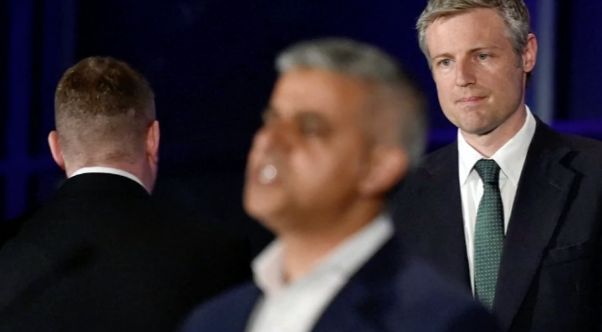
489, 233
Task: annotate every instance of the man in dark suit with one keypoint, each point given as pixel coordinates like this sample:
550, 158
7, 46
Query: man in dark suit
527, 240
341, 128
100, 255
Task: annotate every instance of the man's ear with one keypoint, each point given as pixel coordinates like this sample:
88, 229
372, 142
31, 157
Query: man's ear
55, 149
387, 167
152, 142
529, 55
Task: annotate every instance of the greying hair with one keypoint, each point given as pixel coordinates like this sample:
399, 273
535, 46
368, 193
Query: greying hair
397, 112
514, 13
103, 108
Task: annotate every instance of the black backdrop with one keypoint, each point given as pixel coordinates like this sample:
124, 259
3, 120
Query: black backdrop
210, 63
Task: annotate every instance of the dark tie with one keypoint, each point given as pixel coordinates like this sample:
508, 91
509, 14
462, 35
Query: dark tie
489, 233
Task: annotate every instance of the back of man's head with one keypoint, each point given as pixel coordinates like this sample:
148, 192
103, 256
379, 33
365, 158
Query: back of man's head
103, 109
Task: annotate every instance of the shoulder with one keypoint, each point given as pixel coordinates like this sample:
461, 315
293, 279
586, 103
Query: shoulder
226, 312
586, 149
548, 138
577, 153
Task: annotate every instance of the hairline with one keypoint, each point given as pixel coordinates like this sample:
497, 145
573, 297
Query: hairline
424, 22
391, 79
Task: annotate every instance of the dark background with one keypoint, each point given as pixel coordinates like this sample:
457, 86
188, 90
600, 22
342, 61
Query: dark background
210, 63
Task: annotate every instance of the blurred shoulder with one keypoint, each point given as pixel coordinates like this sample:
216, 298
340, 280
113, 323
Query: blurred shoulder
228, 311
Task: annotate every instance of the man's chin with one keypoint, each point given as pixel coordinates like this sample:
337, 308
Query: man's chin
475, 129
259, 208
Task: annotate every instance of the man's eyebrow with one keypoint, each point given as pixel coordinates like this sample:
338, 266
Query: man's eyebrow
485, 48
309, 114
472, 50
442, 55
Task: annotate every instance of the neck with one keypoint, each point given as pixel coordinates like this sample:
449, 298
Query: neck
487, 144
303, 249
135, 169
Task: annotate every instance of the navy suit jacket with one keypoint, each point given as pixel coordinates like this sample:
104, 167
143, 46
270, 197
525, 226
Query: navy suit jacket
99, 256
389, 293
549, 278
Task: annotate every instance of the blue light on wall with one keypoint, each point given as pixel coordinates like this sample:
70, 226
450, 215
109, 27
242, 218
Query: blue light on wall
40, 44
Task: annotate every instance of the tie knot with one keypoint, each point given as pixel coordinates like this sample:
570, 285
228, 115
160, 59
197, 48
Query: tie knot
488, 170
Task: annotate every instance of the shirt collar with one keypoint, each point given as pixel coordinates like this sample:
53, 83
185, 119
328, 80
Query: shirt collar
107, 170
344, 260
510, 157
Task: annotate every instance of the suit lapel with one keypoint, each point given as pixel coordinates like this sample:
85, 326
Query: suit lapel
542, 192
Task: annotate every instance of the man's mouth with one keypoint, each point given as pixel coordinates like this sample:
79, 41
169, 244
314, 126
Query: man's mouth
268, 173
470, 100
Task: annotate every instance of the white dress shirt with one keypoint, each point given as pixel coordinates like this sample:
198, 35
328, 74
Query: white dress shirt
297, 307
107, 170
511, 158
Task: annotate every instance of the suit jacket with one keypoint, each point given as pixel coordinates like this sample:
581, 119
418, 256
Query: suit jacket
101, 257
549, 277
388, 293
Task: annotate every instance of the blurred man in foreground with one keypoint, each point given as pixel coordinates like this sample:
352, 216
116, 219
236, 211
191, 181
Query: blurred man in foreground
341, 129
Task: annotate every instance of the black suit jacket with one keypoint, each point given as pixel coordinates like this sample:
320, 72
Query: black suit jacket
388, 293
101, 257
549, 278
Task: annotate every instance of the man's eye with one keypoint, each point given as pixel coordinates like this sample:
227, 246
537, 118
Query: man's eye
444, 63
311, 128
483, 56
267, 117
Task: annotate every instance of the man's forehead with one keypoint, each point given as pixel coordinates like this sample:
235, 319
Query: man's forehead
491, 28
316, 90
492, 15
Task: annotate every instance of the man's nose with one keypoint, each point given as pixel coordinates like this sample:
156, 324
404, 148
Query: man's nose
465, 74
276, 135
